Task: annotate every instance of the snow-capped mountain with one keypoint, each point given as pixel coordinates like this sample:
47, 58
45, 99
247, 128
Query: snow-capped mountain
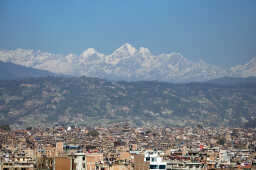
126, 63
245, 70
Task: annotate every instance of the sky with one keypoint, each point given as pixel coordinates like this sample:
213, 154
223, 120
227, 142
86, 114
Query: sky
220, 32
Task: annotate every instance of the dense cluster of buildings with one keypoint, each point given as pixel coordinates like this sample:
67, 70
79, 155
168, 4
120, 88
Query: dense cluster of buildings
121, 147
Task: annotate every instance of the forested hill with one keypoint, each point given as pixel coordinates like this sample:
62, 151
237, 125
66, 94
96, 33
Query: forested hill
10, 71
91, 101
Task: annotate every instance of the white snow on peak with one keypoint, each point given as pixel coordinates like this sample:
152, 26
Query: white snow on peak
245, 70
126, 49
90, 52
144, 51
70, 58
126, 63
253, 61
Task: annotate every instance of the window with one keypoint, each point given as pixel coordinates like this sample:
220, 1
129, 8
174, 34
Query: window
161, 166
147, 158
153, 167
83, 158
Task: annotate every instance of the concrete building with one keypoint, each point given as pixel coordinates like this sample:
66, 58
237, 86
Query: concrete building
63, 163
79, 161
92, 159
155, 161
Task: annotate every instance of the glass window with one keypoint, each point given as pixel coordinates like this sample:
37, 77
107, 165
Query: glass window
153, 166
161, 166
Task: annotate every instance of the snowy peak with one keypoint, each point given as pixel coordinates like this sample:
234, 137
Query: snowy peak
144, 51
91, 52
252, 61
246, 70
126, 50
173, 58
126, 63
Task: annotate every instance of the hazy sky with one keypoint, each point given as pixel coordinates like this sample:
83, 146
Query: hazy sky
221, 32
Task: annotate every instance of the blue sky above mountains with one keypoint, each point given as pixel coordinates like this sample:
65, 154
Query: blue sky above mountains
219, 32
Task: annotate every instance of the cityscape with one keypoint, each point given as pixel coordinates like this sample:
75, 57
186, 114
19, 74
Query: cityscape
121, 146
127, 85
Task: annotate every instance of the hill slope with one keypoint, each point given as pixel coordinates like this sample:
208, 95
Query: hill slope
90, 101
233, 81
10, 71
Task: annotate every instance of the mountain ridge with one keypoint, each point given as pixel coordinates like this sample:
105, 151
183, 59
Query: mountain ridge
10, 71
127, 63
94, 101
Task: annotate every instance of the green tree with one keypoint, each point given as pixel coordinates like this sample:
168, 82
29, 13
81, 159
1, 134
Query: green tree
221, 141
5, 127
93, 133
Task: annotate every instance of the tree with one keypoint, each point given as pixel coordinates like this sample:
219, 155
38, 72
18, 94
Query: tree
93, 133
29, 128
221, 141
5, 127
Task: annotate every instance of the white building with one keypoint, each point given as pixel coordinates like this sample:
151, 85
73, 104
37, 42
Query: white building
155, 161
80, 161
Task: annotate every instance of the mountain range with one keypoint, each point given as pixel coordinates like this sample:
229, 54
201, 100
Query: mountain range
126, 63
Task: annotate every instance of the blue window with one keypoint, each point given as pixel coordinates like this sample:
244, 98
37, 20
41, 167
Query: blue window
161, 166
153, 166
